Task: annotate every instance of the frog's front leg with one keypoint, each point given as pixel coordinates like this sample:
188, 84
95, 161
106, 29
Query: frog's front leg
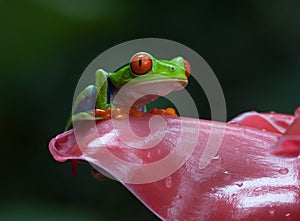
103, 109
91, 103
101, 85
83, 105
166, 112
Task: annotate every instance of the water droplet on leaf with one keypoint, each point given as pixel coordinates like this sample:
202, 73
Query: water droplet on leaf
149, 155
283, 171
169, 182
287, 215
226, 176
217, 157
272, 211
239, 184
257, 189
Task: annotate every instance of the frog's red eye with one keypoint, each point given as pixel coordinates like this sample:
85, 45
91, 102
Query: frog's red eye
187, 68
141, 64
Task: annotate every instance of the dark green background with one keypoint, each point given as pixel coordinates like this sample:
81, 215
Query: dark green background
252, 46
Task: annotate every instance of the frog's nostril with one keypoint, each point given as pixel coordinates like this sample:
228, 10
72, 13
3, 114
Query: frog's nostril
187, 68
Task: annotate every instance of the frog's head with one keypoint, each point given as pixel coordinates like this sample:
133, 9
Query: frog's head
144, 68
144, 72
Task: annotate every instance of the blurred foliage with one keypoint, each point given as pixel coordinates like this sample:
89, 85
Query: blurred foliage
252, 46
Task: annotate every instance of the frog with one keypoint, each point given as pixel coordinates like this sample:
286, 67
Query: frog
95, 101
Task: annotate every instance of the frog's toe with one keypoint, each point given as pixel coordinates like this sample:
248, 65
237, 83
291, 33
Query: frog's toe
118, 114
137, 113
167, 112
170, 112
102, 114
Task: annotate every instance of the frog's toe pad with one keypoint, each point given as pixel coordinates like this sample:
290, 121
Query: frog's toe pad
136, 113
103, 114
167, 112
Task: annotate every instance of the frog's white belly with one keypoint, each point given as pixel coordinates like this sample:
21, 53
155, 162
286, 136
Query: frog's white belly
138, 95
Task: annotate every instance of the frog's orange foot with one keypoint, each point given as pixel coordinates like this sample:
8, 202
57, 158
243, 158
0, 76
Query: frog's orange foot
102, 114
137, 113
118, 114
167, 112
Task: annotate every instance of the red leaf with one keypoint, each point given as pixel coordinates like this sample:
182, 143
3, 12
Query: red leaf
186, 175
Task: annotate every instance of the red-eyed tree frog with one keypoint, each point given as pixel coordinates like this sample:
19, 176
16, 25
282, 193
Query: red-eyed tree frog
94, 102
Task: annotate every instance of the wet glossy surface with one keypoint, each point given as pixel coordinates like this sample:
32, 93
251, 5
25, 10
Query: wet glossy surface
243, 180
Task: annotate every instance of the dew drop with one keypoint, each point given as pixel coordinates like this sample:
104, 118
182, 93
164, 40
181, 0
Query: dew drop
283, 171
169, 182
287, 215
257, 189
226, 176
239, 184
234, 123
149, 155
213, 190
217, 157
272, 211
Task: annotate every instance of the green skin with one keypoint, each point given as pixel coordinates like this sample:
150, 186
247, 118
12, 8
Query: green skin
161, 71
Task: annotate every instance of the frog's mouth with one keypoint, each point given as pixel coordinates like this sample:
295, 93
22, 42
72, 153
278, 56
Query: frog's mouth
174, 84
138, 94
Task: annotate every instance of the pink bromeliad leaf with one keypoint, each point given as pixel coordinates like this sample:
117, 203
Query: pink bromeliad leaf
191, 169
287, 125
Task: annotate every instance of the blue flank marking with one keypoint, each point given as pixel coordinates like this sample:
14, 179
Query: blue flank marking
110, 89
